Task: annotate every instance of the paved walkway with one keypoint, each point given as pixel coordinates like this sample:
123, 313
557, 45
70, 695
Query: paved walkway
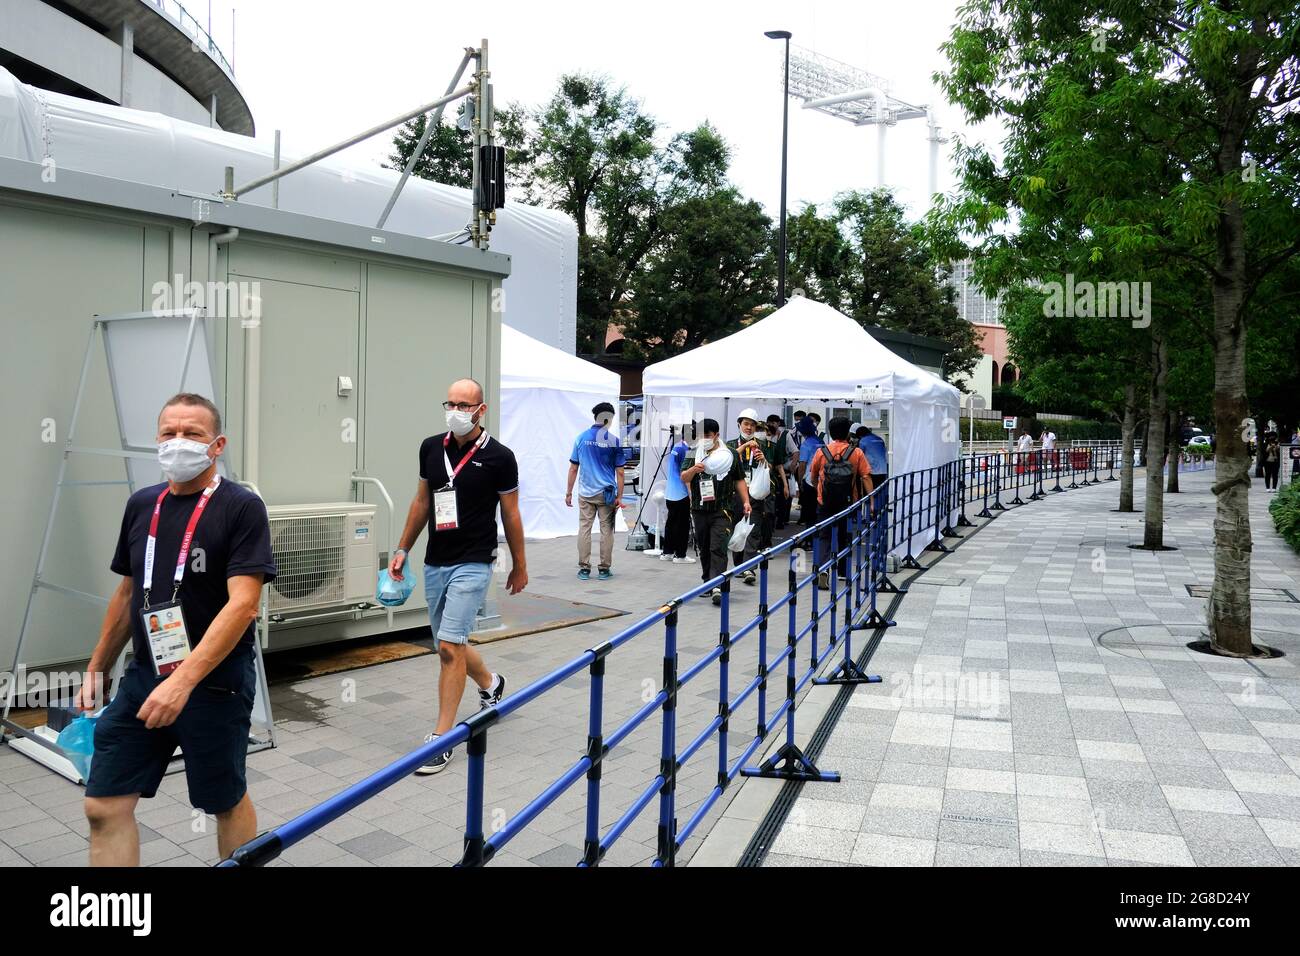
1039, 707
1069, 738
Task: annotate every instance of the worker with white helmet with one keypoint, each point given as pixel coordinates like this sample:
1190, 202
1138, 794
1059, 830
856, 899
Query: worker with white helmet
719, 496
755, 450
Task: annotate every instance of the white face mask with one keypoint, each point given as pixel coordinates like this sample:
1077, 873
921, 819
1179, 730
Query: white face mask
461, 423
183, 460
747, 431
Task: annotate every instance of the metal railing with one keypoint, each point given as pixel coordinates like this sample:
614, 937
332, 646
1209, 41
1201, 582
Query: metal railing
833, 574
176, 12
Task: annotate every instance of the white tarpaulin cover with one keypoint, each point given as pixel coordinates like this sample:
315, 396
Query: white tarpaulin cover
546, 400
39, 127
804, 352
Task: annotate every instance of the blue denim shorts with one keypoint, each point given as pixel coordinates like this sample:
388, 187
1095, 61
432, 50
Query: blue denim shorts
455, 593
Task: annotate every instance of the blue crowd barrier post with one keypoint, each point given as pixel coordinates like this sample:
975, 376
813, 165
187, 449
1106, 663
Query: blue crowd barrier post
764, 614
1018, 468
1085, 483
966, 475
724, 669
667, 836
883, 543
986, 476
1038, 458
789, 762
1110, 463
1056, 471
1092, 454
951, 487
476, 854
997, 484
936, 482
1073, 483
591, 852
909, 561
847, 670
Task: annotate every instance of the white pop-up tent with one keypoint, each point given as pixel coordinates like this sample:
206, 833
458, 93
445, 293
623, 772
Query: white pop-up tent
805, 351
546, 399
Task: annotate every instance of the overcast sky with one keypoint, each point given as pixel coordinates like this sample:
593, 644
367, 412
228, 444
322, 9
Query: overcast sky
320, 70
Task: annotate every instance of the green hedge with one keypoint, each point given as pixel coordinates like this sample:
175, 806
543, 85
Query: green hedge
1067, 430
1285, 509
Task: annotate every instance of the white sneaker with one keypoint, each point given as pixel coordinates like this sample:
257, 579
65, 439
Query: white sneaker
686, 560
665, 557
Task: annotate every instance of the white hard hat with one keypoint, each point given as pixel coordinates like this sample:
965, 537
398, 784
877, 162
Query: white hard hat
718, 463
751, 414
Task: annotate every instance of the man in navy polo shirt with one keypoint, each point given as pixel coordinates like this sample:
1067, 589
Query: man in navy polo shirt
465, 474
193, 555
596, 464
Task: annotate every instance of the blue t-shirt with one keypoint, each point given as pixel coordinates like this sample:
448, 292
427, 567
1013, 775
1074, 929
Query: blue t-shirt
807, 448
598, 453
676, 489
874, 448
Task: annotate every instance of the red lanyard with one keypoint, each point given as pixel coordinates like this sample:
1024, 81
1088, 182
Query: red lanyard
446, 441
152, 542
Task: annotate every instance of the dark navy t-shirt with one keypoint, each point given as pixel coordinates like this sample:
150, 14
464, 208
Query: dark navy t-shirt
233, 538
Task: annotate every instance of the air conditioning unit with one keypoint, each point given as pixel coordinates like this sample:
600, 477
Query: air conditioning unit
326, 556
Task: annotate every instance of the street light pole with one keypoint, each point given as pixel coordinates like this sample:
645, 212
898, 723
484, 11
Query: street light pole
785, 137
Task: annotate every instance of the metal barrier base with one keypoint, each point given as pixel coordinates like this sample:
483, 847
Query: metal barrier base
938, 546
848, 672
887, 586
873, 622
790, 763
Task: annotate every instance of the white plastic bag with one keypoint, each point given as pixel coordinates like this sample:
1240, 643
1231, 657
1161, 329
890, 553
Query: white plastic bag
760, 482
739, 536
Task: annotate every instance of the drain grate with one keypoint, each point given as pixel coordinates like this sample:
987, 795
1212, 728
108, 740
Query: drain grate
1266, 595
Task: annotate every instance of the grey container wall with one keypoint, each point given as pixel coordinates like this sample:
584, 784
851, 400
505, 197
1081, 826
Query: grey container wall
402, 317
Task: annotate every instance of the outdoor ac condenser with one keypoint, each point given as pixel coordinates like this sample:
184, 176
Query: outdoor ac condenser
326, 556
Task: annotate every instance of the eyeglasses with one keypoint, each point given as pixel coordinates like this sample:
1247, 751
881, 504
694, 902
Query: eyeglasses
461, 406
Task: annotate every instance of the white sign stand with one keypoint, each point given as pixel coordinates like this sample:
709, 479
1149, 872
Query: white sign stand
132, 342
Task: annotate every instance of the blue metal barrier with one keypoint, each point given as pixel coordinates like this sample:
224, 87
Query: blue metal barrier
844, 556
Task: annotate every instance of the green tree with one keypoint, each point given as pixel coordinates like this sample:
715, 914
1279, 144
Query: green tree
1106, 105
447, 157
711, 271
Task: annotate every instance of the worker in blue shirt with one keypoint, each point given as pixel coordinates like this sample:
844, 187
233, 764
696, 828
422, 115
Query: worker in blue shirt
597, 466
677, 529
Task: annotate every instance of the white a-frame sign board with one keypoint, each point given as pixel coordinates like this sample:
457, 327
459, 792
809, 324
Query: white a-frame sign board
143, 350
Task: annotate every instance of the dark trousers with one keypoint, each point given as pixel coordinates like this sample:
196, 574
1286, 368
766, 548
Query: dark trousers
677, 529
783, 507
1270, 473
841, 543
712, 532
807, 504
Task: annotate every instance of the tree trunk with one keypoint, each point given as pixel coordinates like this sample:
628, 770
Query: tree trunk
1127, 431
1153, 535
1228, 611
1174, 438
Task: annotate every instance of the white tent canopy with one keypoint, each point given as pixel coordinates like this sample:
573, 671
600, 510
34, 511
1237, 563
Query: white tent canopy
805, 352
546, 399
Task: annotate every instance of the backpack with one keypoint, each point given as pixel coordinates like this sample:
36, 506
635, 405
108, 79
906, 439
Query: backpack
838, 476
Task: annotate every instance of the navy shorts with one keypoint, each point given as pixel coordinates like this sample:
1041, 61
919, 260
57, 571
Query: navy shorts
212, 732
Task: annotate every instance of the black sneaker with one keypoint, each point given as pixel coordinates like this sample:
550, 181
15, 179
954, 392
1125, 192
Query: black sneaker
488, 698
716, 594
437, 764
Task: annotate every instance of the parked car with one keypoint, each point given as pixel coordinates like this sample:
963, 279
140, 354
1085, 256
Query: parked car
1201, 441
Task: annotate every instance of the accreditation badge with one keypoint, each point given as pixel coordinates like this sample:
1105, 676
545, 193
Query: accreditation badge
706, 490
444, 510
169, 639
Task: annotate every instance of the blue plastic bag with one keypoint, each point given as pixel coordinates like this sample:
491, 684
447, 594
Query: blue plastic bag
77, 741
391, 592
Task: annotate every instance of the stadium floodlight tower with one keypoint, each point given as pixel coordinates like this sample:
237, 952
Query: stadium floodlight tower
864, 99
